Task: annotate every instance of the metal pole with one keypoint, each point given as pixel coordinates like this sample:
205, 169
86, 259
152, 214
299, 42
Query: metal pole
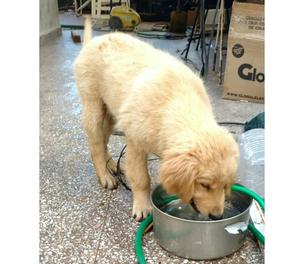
203, 43
221, 43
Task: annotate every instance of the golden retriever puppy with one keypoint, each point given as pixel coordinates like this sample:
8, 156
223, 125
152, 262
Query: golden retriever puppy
163, 108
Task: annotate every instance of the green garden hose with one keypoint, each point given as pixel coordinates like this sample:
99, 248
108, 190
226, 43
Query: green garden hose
244, 190
149, 219
139, 239
256, 233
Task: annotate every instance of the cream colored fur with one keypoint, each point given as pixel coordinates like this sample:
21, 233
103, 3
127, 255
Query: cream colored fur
163, 108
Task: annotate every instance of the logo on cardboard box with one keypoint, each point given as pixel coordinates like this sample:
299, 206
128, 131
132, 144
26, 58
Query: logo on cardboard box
245, 70
238, 50
246, 73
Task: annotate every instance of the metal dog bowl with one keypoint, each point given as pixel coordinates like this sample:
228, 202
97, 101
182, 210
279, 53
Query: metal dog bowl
185, 233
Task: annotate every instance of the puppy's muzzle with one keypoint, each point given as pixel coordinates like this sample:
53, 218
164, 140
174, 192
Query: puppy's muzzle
215, 217
211, 216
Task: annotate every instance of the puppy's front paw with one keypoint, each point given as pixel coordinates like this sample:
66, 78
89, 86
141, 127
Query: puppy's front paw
111, 164
108, 182
141, 209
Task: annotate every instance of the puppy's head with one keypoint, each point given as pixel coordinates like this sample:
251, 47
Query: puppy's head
204, 174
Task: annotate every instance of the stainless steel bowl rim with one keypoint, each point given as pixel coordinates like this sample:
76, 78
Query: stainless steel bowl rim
196, 221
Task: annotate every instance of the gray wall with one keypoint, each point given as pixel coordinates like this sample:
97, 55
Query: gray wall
49, 20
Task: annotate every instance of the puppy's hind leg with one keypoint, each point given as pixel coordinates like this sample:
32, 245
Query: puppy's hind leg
94, 112
139, 180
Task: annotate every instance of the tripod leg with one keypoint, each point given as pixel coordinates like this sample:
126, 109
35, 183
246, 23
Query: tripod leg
205, 16
192, 33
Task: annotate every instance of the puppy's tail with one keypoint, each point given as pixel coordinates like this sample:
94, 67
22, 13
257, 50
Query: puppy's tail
87, 35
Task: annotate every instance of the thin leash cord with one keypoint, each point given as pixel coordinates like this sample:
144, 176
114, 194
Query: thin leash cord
118, 173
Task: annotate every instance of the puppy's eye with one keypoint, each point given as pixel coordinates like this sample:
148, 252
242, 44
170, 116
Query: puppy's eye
206, 186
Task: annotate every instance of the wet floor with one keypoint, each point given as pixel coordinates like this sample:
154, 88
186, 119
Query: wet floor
79, 221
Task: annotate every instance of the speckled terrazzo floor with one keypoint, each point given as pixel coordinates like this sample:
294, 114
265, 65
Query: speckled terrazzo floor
79, 221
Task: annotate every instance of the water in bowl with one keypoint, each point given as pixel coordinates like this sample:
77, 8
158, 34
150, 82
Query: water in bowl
186, 211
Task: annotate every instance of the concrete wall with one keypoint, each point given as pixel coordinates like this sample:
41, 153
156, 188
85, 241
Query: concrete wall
49, 20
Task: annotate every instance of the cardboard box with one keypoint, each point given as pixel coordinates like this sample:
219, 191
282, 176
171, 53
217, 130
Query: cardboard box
244, 74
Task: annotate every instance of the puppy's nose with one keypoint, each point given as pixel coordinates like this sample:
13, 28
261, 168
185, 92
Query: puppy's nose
215, 217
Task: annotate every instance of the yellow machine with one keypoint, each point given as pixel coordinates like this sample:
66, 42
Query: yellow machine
122, 17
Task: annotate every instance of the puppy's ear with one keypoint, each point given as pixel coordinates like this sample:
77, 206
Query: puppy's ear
228, 190
177, 175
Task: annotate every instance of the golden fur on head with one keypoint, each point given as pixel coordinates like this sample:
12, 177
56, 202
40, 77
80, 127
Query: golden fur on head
203, 174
